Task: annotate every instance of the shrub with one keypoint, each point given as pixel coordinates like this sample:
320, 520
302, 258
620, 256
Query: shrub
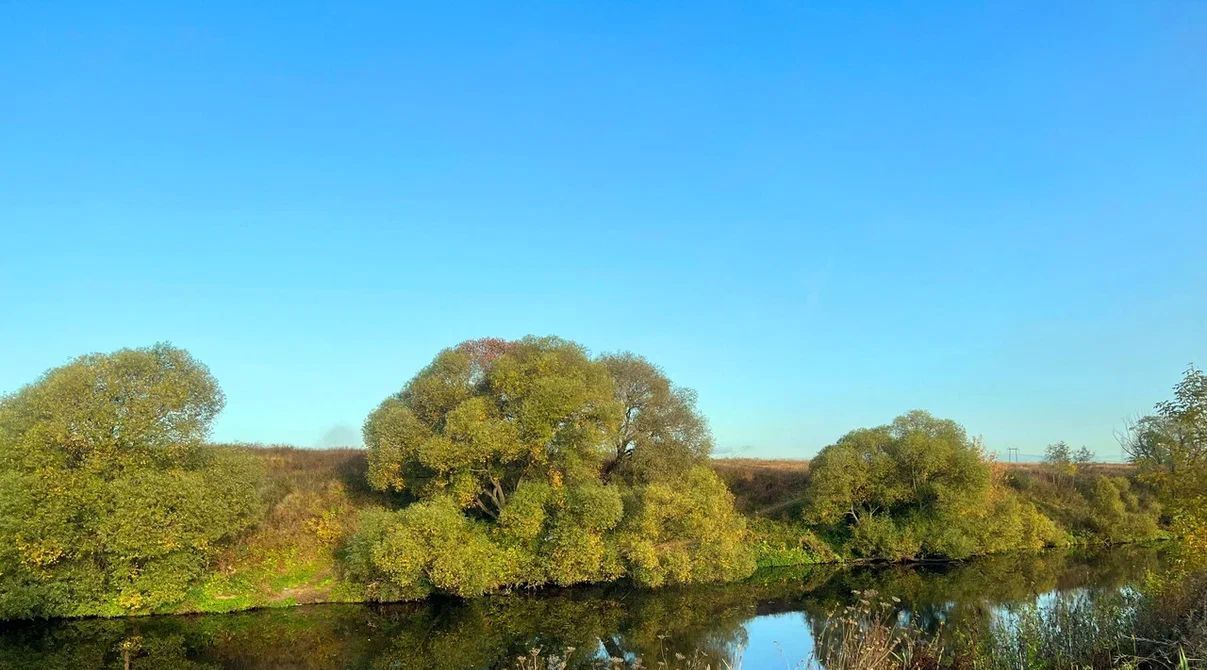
687, 532
427, 546
780, 543
1117, 514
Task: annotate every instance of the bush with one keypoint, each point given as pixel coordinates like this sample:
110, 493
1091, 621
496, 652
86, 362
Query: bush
1117, 514
426, 547
784, 543
1092, 507
884, 538
687, 532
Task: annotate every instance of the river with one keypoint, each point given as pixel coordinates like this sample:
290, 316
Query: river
768, 622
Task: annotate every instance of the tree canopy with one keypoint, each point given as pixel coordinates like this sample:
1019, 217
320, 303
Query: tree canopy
553, 464
105, 412
660, 434
107, 496
918, 486
916, 462
487, 414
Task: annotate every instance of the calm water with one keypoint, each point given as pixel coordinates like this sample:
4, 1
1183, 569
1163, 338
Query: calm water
768, 622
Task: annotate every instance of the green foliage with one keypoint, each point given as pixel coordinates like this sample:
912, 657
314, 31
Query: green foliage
1002, 522
781, 543
919, 487
480, 419
563, 535
917, 462
560, 468
524, 520
1170, 447
109, 503
882, 537
579, 546
1092, 505
427, 546
1062, 462
685, 532
105, 412
1118, 514
661, 434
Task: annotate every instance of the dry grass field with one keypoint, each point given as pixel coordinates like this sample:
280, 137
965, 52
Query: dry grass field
771, 487
765, 487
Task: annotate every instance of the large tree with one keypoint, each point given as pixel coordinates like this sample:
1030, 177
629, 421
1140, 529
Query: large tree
661, 435
109, 501
528, 462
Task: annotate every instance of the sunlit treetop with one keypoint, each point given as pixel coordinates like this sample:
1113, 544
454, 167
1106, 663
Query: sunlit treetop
916, 462
487, 414
660, 435
102, 412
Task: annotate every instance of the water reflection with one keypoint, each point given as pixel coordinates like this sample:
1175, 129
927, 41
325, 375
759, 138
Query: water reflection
770, 621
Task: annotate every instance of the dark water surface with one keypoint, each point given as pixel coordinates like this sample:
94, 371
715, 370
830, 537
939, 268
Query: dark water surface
767, 622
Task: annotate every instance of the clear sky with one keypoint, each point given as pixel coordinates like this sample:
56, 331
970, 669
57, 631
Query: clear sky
819, 215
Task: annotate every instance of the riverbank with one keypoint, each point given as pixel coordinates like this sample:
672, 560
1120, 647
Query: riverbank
314, 499
503, 466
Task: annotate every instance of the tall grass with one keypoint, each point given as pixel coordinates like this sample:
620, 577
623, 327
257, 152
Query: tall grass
1163, 627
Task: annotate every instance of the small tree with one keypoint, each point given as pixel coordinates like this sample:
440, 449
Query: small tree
685, 532
1058, 461
1063, 462
918, 462
542, 465
919, 485
1170, 448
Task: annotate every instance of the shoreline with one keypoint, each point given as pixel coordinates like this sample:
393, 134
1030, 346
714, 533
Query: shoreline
552, 590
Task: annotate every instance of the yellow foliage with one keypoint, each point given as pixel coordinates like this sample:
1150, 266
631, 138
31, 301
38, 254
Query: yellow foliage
327, 527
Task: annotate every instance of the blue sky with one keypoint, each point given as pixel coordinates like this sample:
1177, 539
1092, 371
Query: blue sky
819, 216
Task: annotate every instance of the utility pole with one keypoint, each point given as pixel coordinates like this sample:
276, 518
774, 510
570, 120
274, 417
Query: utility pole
1013, 454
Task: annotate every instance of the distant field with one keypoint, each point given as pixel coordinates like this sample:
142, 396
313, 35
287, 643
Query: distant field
773, 487
1095, 468
762, 486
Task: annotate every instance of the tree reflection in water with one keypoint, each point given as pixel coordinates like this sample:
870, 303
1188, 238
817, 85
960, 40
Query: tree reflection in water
613, 620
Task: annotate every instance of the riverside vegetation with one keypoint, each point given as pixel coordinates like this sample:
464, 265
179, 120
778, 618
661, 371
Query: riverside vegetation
506, 465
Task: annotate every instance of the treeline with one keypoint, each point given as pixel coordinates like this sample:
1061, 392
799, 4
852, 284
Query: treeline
505, 464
